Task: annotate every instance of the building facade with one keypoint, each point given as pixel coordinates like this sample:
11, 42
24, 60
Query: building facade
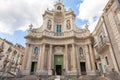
59, 47
107, 39
10, 57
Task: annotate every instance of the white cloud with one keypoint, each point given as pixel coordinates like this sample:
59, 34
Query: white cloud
18, 14
90, 9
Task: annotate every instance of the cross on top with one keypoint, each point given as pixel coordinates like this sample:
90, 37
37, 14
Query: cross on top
59, 0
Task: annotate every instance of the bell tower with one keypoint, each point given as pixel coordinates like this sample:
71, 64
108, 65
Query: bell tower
59, 7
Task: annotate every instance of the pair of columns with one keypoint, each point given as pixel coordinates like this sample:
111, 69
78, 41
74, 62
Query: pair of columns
42, 60
73, 59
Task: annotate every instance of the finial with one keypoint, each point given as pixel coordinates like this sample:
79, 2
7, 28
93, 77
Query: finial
30, 26
60, 1
86, 26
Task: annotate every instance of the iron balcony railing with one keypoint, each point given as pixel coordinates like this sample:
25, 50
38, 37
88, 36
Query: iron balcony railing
102, 44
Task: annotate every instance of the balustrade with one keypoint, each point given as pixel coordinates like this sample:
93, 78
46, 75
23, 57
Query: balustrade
58, 34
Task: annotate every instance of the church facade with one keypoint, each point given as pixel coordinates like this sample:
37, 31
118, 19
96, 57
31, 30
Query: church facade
59, 47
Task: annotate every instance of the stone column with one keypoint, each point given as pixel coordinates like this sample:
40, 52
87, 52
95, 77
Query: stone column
29, 60
92, 58
66, 57
88, 59
39, 57
42, 58
50, 61
73, 67
78, 59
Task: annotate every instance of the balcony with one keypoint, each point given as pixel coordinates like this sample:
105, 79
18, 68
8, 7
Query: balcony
33, 34
97, 57
102, 45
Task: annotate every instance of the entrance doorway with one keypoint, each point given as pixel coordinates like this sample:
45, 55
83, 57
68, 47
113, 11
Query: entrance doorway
33, 67
58, 64
83, 68
58, 70
101, 68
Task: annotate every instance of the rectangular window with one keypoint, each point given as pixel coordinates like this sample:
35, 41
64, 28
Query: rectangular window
58, 28
106, 60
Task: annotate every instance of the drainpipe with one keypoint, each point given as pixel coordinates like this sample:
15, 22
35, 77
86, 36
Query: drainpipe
111, 43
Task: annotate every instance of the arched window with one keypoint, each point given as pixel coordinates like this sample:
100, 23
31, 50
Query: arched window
9, 49
15, 52
36, 50
59, 8
81, 51
101, 39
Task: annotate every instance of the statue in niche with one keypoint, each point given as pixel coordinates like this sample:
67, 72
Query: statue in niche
49, 24
68, 24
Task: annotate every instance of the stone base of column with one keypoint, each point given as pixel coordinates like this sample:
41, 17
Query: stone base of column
26, 72
43, 72
49, 72
71, 72
74, 70
92, 73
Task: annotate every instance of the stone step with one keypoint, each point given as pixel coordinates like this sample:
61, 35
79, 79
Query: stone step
57, 78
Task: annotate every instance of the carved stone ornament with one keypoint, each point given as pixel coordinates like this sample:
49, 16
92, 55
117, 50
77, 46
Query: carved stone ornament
68, 25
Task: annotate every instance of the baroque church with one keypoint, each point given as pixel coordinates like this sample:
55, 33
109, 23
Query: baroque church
59, 47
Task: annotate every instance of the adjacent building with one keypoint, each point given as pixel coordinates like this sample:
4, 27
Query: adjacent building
10, 57
107, 39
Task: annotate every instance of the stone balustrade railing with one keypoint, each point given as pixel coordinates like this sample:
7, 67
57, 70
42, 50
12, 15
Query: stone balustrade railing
58, 34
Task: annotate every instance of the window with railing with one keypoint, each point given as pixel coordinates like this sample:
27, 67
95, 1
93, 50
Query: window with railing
58, 30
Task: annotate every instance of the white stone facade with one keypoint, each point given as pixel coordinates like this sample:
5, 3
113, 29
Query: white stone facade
59, 47
59, 39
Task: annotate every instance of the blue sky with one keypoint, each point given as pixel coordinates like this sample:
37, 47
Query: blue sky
16, 15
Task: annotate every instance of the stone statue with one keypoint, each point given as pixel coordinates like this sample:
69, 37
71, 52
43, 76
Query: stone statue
68, 24
86, 27
49, 24
30, 26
